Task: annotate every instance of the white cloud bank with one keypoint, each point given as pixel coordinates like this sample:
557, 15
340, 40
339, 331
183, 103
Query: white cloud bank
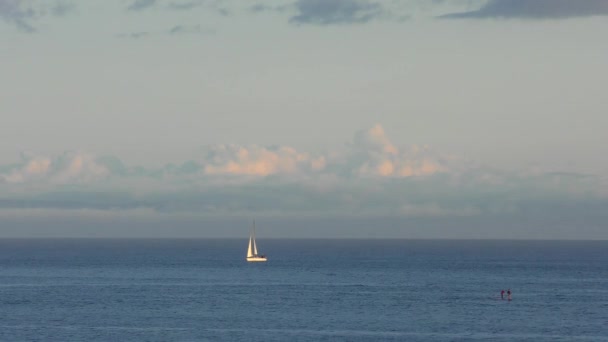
380, 157
259, 161
371, 153
67, 168
372, 176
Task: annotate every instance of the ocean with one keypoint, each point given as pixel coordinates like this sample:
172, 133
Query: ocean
309, 290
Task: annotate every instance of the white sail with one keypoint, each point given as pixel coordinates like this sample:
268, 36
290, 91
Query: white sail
252, 249
255, 248
249, 253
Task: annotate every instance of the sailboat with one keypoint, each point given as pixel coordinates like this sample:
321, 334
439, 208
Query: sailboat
252, 250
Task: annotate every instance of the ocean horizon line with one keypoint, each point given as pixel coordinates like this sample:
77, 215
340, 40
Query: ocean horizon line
290, 238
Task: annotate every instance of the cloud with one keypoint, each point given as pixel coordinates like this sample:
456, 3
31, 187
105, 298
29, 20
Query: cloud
260, 7
183, 5
34, 168
256, 8
331, 12
140, 5
373, 154
370, 154
67, 168
19, 13
535, 9
433, 196
24, 13
191, 4
372, 176
189, 29
375, 140
62, 8
259, 161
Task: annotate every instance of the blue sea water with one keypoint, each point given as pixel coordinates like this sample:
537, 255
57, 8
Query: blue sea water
309, 290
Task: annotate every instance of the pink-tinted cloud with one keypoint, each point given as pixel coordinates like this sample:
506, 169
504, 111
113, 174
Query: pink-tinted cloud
66, 168
374, 154
259, 161
371, 154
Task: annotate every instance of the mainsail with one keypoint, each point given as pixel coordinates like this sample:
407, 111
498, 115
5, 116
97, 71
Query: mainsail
249, 253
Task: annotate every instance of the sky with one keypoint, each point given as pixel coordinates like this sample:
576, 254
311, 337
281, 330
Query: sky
318, 118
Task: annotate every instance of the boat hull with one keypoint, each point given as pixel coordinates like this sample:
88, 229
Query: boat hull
256, 259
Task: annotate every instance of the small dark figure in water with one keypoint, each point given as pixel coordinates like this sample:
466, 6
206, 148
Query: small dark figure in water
502, 294
509, 294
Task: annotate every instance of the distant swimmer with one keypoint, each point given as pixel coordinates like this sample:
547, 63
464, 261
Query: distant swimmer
509, 294
502, 294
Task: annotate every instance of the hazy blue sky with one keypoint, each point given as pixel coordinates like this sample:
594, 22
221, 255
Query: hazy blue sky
350, 118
